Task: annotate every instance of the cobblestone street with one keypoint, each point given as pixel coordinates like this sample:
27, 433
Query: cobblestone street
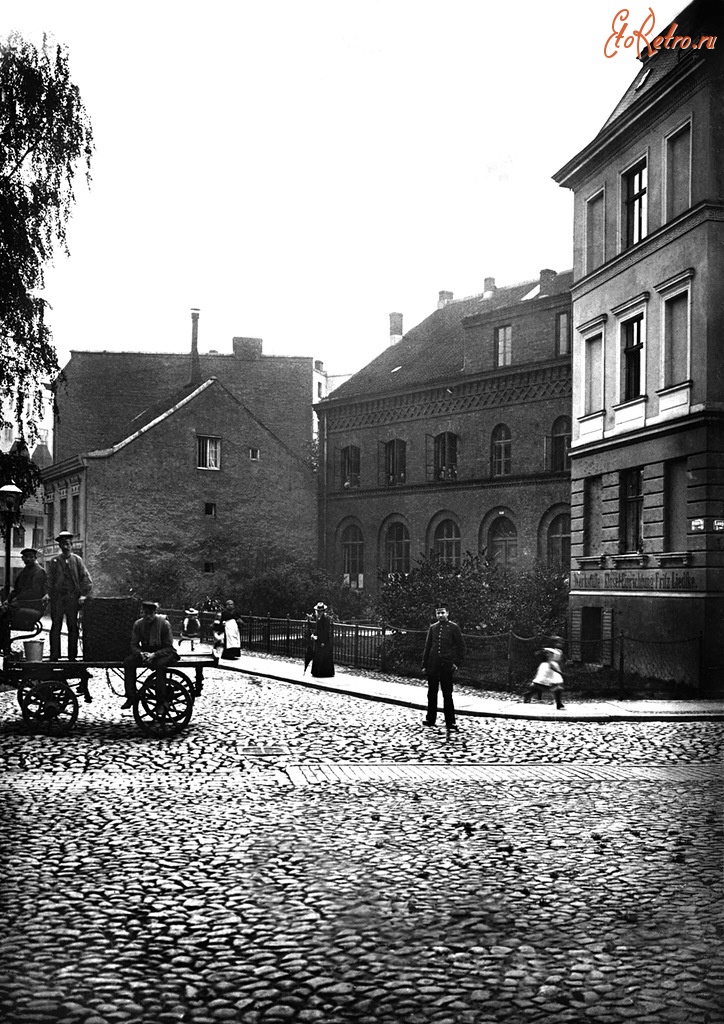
297, 855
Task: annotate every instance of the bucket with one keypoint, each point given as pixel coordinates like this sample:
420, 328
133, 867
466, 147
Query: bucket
33, 650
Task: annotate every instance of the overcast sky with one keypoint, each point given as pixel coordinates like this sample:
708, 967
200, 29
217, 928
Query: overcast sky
299, 169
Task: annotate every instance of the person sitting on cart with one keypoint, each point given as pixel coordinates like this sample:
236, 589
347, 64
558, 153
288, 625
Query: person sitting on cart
27, 600
151, 646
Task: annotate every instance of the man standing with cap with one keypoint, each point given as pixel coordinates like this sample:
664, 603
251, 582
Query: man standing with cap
27, 599
444, 652
69, 585
151, 645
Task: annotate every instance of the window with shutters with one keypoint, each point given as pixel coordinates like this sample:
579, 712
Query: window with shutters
560, 444
635, 204
446, 457
395, 462
208, 452
350, 467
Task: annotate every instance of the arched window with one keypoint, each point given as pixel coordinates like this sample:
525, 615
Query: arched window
395, 462
446, 456
501, 450
559, 541
560, 443
503, 543
350, 467
446, 542
353, 556
397, 548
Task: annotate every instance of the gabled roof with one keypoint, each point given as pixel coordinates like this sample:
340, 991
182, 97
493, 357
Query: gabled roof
434, 350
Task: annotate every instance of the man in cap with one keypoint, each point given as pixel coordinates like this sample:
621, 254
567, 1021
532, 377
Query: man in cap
69, 583
27, 598
444, 652
152, 646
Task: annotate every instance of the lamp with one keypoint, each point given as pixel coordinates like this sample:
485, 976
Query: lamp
11, 498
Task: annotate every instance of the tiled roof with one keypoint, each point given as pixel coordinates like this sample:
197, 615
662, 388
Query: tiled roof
434, 349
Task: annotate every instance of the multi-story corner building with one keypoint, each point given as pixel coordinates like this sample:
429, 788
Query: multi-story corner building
454, 439
647, 456
30, 532
204, 456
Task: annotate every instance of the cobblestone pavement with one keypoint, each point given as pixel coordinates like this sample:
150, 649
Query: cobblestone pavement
305, 856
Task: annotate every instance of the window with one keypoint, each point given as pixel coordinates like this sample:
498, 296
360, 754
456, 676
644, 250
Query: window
63, 514
592, 515
18, 537
501, 450
591, 635
319, 389
503, 543
208, 453
254, 454
675, 507
503, 346
397, 548
395, 462
563, 334
560, 443
633, 343
350, 466
678, 172
632, 500
595, 254
593, 369
676, 339
50, 516
209, 566
210, 509
446, 542
75, 513
446, 457
353, 554
38, 538
559, 541
634, 204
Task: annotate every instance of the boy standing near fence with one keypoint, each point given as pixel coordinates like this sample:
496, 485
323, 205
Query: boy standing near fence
444, 652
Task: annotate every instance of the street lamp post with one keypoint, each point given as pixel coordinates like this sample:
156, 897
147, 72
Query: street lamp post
11, 498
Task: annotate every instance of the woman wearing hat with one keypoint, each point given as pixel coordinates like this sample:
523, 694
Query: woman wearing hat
320, 637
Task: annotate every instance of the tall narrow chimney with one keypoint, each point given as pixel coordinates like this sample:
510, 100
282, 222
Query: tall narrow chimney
443, 299
489, 288
547, 277
395, 328
195, 364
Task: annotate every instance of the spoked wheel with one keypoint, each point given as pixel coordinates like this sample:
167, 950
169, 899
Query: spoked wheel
170, 716
49, 707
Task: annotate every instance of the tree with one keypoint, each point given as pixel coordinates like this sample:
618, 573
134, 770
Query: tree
45, 134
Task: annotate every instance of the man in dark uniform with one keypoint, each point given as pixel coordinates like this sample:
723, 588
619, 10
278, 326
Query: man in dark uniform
69, 585
444, 652
151, 645
27, 599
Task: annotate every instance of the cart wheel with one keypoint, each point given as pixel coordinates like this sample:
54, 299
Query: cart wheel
152, 717
49, 707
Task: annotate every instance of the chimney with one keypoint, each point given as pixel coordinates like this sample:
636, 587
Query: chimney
195, 364
395, 328
248, 349
547, 277
444, 298
489, 288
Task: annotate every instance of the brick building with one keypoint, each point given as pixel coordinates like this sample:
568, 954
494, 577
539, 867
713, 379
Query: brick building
454, 438
203, 455
648, 372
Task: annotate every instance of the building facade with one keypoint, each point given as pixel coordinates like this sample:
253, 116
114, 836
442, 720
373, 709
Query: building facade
647, 462
199, 456
454, 439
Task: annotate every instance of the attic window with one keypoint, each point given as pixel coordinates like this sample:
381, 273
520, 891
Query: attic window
396, 369
532, 294
642, 81
254, 454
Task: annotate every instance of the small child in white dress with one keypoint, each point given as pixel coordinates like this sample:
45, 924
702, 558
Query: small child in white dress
548, 677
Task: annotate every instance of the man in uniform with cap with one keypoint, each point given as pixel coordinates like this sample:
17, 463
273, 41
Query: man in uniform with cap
151, 645
444, 652
27, 599
69, 585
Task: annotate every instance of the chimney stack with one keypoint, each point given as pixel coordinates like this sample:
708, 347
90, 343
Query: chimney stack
489, 288
444, 298
547, 277
395, 328
195, 364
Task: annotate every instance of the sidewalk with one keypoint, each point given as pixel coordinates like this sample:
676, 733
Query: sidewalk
409, 695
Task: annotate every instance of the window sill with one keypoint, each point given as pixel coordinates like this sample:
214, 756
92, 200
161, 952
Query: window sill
672, 558
631, 559
591, 561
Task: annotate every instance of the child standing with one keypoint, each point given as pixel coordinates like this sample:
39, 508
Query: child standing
548, 677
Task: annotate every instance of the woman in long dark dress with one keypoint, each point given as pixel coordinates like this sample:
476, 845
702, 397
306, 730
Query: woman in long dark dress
320, 642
